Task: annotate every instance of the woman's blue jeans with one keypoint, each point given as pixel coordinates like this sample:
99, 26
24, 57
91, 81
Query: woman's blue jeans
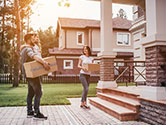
85, 80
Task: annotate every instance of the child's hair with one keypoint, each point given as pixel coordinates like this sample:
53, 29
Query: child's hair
28, 37
89, 50
38, 43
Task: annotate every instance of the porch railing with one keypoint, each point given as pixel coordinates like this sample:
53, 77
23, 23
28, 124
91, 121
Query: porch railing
130, 72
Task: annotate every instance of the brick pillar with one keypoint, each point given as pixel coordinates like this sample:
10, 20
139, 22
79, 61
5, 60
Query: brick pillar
155, 59
107, 73
107, 69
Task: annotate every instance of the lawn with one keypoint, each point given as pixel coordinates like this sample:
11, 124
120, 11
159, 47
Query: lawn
53, 94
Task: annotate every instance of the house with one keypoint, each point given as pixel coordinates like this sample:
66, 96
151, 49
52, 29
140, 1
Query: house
147, 103
73, 34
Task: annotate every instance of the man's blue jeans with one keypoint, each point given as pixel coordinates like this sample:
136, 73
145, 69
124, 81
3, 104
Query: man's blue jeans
34, 90
85, 80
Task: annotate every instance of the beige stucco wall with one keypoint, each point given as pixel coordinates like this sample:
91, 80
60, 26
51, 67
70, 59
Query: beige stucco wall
61, 39
95, 39
71, 38
92, 35
139, 50
138, 32
121, 48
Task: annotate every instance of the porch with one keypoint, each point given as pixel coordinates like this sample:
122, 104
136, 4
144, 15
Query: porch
144, 103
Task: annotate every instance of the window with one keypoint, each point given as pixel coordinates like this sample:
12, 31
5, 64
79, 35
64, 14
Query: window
123, 39
80, 38
68, 64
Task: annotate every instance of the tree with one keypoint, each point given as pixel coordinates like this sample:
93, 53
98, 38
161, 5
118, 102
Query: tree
48, 40
3, 10
13, 14
20, 6
65, 3
17, 53
122, 14
7, 32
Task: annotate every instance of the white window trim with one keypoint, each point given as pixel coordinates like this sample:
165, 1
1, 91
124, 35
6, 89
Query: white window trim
82, 38
67, 67
123, 44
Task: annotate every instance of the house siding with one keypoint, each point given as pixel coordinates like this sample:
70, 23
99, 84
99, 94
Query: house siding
122, 47
62, 39
95, 38
61, 70
71, 38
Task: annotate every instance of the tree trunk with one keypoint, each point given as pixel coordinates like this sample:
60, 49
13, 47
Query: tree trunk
3, 38
17, 53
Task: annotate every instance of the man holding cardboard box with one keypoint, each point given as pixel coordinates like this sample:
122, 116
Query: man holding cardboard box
34, 84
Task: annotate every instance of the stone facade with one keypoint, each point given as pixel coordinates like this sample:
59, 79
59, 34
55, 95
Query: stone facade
107, 69
152, 113
155, 63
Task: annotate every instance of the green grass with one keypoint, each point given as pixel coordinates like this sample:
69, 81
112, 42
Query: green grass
128, 84
53, 94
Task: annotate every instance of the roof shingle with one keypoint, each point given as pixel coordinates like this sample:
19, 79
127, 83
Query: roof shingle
72, 51
118, 23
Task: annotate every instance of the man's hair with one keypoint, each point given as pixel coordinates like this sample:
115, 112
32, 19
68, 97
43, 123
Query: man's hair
28, 36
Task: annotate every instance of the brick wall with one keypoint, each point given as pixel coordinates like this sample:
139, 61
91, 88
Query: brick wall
61, 70
154, 59
107, 69
152, 113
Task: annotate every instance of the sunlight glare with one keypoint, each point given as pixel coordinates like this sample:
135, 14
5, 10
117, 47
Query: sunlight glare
48, 11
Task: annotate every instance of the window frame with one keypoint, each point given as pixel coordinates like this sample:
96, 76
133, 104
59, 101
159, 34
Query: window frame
78, 33
123, 33
67, 67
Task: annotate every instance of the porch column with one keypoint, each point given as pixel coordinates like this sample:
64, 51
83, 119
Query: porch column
106, 55
155, 42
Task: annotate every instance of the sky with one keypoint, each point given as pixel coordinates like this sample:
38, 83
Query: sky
46, 12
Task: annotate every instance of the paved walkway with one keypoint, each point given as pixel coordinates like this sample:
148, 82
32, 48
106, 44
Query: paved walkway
61, 115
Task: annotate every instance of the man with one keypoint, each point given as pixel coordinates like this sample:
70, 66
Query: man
34, 84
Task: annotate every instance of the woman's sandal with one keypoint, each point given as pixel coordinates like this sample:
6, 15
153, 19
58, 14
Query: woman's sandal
82, 106
87, 107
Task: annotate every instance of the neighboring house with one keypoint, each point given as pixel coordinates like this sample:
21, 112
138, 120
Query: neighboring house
73, 34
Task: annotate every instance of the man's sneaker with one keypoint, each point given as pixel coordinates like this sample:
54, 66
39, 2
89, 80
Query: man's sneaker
30, 114
40, 116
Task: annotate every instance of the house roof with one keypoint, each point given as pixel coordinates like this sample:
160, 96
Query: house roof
72, 51
118, 23
77, 52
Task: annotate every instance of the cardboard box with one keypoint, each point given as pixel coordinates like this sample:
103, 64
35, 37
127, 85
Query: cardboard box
34, 69
92, 67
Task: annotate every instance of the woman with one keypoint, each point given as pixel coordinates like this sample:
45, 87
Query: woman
84, 74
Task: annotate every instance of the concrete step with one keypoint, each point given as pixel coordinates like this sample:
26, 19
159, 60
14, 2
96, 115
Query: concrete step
120, 100
119, 92
117, 111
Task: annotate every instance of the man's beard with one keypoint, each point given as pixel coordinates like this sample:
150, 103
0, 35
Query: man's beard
32, 43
